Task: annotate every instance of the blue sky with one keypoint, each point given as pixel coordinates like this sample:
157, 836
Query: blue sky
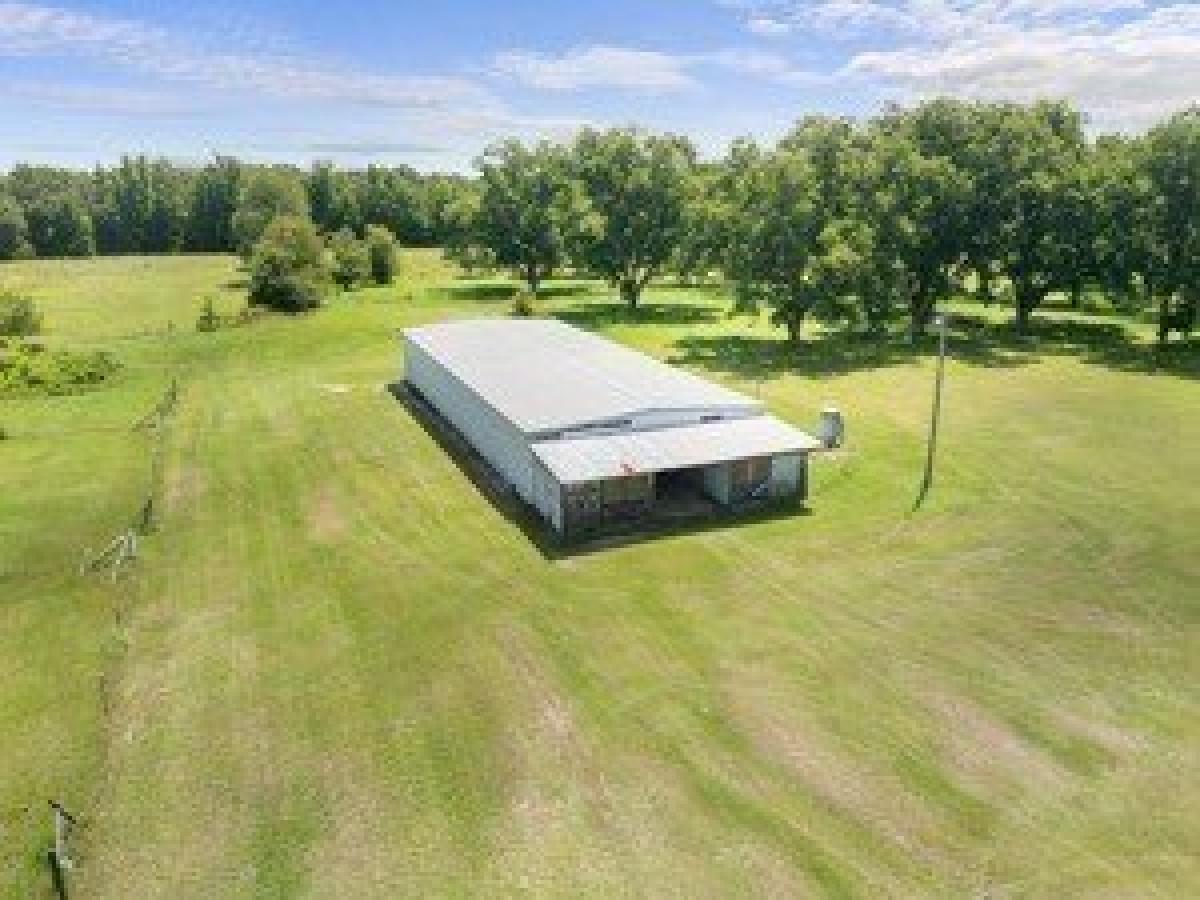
431, 83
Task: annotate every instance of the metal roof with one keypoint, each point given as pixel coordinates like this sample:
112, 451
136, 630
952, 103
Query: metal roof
574, 460
545, 375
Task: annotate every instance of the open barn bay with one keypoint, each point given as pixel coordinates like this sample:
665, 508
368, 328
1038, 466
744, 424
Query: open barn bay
338, 669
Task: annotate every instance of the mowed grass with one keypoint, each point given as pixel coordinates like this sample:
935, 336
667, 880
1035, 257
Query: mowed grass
339, 670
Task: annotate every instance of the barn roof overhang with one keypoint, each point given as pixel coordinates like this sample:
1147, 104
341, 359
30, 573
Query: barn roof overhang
582, 459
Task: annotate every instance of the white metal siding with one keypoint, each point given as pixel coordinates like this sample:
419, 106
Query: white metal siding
492, 436
577, 459
718, 482
547, 496
785, 474
547, 405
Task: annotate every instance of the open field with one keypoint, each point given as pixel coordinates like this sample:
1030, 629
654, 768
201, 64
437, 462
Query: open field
338, 670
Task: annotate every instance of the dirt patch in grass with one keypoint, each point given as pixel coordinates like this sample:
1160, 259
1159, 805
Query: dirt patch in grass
325, 520
185, 484
1092, 620
987, 753
557, 791
1112, 739
183, 840
876, 800
357, 826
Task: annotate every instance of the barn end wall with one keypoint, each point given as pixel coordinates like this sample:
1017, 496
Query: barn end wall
494, 438
547, 496
789, 473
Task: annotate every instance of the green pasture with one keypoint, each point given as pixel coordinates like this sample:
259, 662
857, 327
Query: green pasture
339, 670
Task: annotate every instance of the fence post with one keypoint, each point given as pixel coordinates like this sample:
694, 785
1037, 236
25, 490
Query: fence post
59, 857
58, 878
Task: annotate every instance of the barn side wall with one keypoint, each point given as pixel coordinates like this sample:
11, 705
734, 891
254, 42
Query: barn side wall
495, 438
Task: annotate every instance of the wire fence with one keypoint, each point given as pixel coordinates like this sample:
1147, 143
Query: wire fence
123, 548
114, 559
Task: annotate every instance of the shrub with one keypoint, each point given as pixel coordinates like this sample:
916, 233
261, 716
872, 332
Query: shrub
247, 315
381, 248
27, 367
288, 271
351, 259
19, 316
523, 304
209, 319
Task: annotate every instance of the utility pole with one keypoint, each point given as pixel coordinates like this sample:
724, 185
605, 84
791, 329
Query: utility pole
936, 415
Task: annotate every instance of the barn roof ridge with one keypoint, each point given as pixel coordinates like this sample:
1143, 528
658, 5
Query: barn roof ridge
546, 375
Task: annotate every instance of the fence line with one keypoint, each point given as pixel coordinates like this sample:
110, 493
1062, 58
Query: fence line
114, 558
123, 548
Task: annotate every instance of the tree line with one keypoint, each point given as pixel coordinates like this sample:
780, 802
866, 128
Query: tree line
861, 223
143, 205
865, 223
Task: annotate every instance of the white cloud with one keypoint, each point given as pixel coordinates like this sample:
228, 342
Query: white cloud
1125, 75
1127, 63
596, 67
443, 120
1053, 9
766, 26
498, 123
642, 71
759, 64
853, 19
32, 30
102, 100
367, 147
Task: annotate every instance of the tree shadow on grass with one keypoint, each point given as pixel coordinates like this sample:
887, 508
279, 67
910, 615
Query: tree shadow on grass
603, 313
492, 291
971, 339
690, 284
488, 292
570, 289
1111, 344
836, 353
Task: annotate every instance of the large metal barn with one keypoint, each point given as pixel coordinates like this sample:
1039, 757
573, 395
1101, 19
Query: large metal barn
596, 436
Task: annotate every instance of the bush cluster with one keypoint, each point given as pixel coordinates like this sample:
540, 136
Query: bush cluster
381, 249
351, 260
292, 266
28, 367
19, 316
288, 268
523, 305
